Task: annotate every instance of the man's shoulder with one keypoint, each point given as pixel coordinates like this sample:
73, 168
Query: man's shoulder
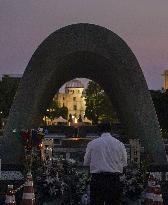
94, 141
114, 137
117, 141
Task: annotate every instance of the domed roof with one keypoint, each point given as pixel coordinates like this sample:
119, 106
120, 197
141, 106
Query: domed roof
74, 84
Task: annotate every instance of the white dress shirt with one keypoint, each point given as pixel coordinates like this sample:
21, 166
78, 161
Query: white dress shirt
105, 154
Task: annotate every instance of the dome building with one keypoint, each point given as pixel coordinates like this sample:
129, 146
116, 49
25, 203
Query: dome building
72, 98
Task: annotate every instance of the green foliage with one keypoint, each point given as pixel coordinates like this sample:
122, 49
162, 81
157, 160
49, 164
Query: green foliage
98, 105
8, 88
160, 100
55, 111
64, 112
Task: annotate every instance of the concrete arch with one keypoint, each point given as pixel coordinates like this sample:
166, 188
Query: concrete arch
94, 52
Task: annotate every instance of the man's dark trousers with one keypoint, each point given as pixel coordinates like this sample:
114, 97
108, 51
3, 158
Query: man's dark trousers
105, 187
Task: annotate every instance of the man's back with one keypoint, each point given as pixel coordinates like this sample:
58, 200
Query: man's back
106, 157
106, 154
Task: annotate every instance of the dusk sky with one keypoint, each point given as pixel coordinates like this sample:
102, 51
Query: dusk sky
143, 24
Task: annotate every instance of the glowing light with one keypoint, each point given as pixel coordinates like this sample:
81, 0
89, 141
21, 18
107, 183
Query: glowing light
75, 139
76, 121
14, 131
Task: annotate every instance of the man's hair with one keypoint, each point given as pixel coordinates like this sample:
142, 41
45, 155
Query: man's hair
104, 127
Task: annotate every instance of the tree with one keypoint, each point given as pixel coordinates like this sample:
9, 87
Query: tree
8, 88
160, 101
64, 112
98, 105
55, 111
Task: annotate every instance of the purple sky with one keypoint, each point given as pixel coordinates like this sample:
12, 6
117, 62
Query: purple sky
143, 24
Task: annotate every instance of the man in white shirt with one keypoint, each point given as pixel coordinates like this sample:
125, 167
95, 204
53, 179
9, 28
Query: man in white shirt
106, 156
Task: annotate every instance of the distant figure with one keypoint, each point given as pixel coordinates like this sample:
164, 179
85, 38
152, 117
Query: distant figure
80, 119
106, 156
70, 121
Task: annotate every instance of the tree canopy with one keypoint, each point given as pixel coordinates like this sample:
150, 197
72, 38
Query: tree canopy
55, 111
160, 101
98, 105
8, 88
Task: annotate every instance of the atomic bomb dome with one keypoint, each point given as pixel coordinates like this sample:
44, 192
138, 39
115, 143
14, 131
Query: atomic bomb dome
72, 98
74, 84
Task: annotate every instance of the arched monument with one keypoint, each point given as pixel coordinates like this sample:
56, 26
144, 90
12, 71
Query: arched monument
88, 51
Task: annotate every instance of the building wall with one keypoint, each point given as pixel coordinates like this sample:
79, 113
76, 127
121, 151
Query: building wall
165, 86
73, 99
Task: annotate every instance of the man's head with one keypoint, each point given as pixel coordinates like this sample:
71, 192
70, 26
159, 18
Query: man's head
104, 127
